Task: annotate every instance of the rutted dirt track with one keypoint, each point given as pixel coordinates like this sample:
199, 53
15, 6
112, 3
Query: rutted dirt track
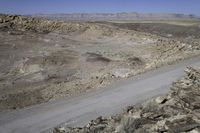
43, 60
175, 112
80, 110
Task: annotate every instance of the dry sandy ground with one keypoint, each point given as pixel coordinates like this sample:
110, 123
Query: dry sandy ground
67, 59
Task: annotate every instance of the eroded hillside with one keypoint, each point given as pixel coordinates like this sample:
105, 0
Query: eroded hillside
42, 60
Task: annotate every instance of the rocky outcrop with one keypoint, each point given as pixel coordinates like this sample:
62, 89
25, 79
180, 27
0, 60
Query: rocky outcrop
178, 111
22, 23
15, 24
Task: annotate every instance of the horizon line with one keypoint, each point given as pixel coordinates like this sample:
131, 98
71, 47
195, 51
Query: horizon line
104, 13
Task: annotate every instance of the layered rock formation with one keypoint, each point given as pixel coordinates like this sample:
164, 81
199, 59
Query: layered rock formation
117, 16
178, 111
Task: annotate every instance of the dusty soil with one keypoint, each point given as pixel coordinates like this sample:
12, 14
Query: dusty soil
176, 112
42, 60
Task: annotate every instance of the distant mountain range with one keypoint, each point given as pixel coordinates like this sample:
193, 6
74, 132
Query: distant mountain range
116, 16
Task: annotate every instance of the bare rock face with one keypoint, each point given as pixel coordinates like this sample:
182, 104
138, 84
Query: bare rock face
178, 111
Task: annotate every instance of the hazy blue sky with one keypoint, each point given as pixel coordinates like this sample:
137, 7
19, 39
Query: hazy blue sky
76, 6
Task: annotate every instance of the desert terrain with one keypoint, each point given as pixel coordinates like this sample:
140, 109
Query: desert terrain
177, 111
43, 60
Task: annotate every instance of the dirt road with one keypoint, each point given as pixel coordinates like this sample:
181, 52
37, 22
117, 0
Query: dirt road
78, 111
